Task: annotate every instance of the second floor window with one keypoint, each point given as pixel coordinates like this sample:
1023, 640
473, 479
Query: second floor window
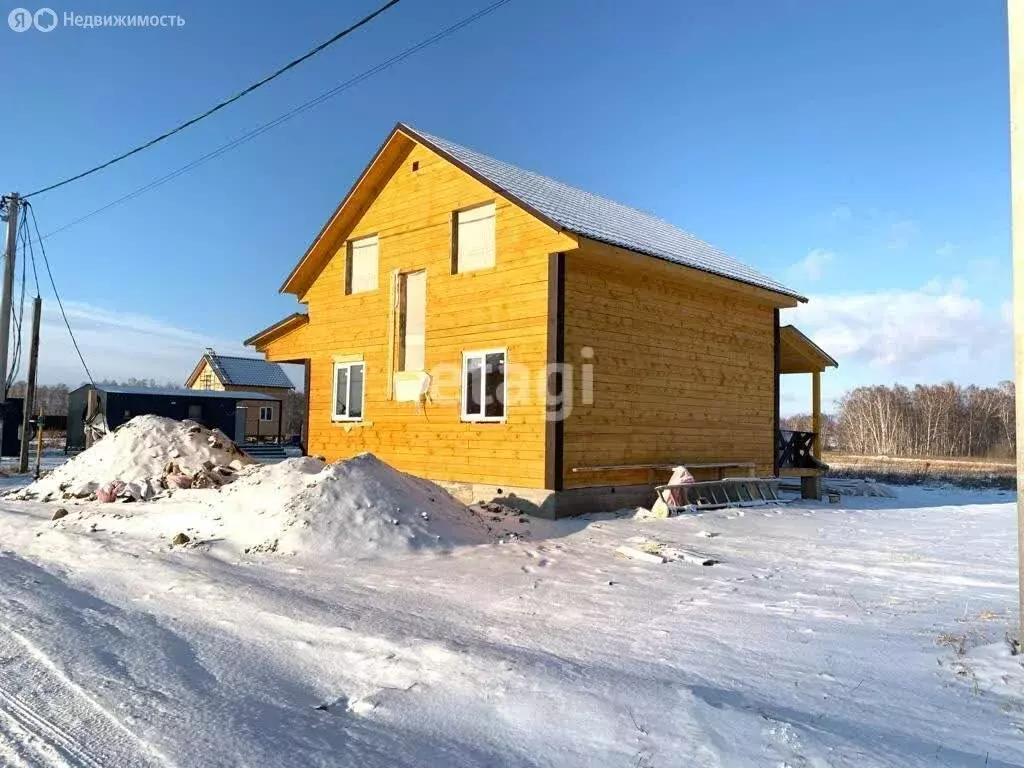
361, 266
473, 236
412, 321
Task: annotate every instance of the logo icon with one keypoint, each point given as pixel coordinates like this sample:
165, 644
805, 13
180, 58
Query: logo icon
45, 19
20, 19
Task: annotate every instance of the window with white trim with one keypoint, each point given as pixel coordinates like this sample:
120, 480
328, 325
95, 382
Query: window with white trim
361, 268
266, 413
348, 391
474, 239
483, 385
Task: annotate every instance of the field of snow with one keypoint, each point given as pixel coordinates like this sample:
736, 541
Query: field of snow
870, 633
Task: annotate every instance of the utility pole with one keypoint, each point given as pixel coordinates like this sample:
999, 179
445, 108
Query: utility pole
30, 390
1015, 28
13, 203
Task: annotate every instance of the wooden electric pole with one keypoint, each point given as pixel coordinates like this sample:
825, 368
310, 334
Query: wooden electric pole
1015, 28
30, 389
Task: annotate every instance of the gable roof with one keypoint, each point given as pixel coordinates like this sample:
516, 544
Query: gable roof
798, 354
597, 218
243, 371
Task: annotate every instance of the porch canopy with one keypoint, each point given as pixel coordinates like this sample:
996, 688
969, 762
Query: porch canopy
798, 354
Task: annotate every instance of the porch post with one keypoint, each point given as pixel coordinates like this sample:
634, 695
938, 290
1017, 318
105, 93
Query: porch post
816, 412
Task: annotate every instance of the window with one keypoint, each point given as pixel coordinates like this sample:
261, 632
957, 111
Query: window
473, 237
361, 267
266, 413
483, 385
412, 321
348, 391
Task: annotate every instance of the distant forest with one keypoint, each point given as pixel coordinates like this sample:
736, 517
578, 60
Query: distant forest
943, 420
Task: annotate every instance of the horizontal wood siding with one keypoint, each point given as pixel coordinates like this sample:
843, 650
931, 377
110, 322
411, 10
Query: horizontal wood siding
505, 306
683, 369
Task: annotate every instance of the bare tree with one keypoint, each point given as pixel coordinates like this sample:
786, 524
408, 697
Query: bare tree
936, 420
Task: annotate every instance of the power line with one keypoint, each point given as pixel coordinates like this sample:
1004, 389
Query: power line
294, 112
231, 100
32, 256
18, 312
53, 284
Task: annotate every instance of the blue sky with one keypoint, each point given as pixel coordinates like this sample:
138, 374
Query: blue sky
856, 150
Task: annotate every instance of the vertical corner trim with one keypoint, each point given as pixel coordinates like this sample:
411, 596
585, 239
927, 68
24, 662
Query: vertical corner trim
308, 374
555, 429
777, 363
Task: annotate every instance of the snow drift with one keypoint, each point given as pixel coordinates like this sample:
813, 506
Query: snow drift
143, 454
357, 507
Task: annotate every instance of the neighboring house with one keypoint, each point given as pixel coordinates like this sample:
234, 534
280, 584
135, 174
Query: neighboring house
95, 410
246, 374
448, 287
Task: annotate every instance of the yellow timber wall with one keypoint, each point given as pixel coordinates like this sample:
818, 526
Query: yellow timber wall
505, 306
683, 367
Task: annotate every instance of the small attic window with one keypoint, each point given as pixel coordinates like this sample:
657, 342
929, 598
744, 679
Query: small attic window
473, 239
415, 165
361, 266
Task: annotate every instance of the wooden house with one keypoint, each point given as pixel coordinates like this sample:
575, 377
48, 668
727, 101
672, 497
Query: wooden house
263, 417
504, 334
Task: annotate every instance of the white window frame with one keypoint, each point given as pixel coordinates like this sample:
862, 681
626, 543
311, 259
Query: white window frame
269, 409
350, 265
335, 416
481, 417
459, 268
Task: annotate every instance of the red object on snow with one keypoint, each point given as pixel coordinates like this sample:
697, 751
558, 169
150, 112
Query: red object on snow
109, 492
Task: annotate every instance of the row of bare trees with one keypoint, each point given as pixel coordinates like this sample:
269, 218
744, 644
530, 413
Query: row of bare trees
936, 420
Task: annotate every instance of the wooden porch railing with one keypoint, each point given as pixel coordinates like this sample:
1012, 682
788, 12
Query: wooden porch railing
796, 450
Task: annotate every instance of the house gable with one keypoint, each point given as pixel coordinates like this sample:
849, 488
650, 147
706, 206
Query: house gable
409, 202
203, 376
393, 154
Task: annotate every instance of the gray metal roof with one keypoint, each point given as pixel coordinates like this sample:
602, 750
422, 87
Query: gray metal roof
600, 219
168, 392
248, 372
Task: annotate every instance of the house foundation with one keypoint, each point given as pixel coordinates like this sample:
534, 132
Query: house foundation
552, 505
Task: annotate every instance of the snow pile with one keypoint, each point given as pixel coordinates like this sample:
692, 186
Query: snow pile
357, 507
140, 459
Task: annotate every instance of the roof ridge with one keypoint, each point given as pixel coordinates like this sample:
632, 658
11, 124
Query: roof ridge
242, 357
600, 218
546, 178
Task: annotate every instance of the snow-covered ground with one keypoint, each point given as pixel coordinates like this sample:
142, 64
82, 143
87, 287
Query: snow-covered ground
870, 633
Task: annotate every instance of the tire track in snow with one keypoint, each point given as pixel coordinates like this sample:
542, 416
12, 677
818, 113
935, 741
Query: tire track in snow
48, 720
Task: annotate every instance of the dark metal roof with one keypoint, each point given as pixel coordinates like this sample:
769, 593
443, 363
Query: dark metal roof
248, 372
600, 219
169, 392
